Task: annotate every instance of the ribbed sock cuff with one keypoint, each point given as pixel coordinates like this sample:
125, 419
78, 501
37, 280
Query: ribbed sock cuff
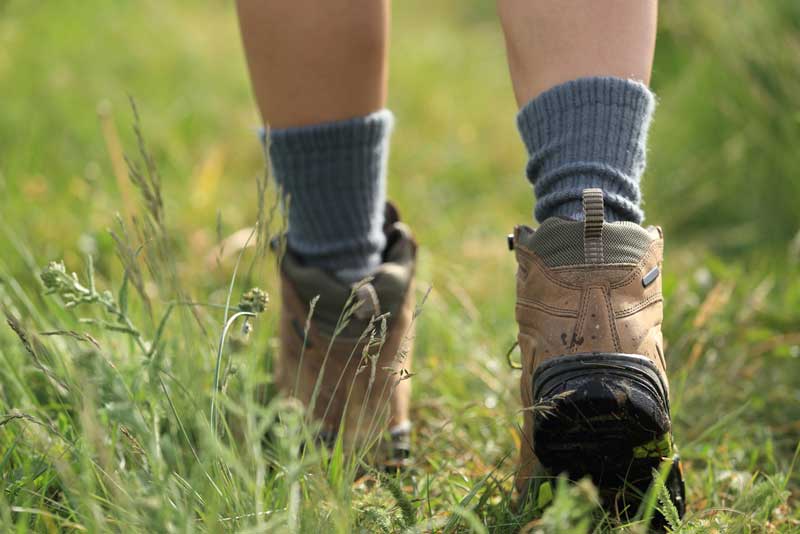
333, 178
590, 132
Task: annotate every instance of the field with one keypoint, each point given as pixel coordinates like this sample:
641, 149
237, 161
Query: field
105, 391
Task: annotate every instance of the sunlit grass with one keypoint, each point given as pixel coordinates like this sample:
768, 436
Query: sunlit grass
99, 435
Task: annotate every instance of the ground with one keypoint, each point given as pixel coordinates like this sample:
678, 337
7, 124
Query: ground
104, 424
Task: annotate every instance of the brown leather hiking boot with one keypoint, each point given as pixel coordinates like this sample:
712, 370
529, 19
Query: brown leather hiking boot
594, 384
349, 363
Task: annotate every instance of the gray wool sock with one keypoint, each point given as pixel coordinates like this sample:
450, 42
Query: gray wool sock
334, 175
590, 132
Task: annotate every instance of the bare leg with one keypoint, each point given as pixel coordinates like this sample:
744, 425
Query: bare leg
580, 70
550, 43
312, 62
319, 74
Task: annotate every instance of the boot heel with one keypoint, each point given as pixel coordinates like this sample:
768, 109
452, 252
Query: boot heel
604, 415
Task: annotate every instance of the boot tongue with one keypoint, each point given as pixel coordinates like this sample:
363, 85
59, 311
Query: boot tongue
561, 242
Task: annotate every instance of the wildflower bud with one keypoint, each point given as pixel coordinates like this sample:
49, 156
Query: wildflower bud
255, 300
53, 275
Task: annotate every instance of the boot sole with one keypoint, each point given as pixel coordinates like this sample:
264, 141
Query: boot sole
606, 415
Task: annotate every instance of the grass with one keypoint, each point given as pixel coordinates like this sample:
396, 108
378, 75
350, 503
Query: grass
105, 426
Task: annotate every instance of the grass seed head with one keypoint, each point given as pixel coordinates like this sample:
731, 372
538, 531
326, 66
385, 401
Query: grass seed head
254, 300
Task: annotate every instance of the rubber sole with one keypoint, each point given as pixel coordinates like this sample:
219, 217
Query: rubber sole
606, 415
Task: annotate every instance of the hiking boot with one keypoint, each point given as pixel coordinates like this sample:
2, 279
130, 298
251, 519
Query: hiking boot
594, 384
347, 355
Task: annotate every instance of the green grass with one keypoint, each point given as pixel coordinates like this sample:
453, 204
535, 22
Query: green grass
100, 433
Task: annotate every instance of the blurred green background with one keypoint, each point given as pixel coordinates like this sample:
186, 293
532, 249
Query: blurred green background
723, 157
722, 180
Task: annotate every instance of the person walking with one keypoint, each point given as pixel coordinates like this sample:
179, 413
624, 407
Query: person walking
594, 387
